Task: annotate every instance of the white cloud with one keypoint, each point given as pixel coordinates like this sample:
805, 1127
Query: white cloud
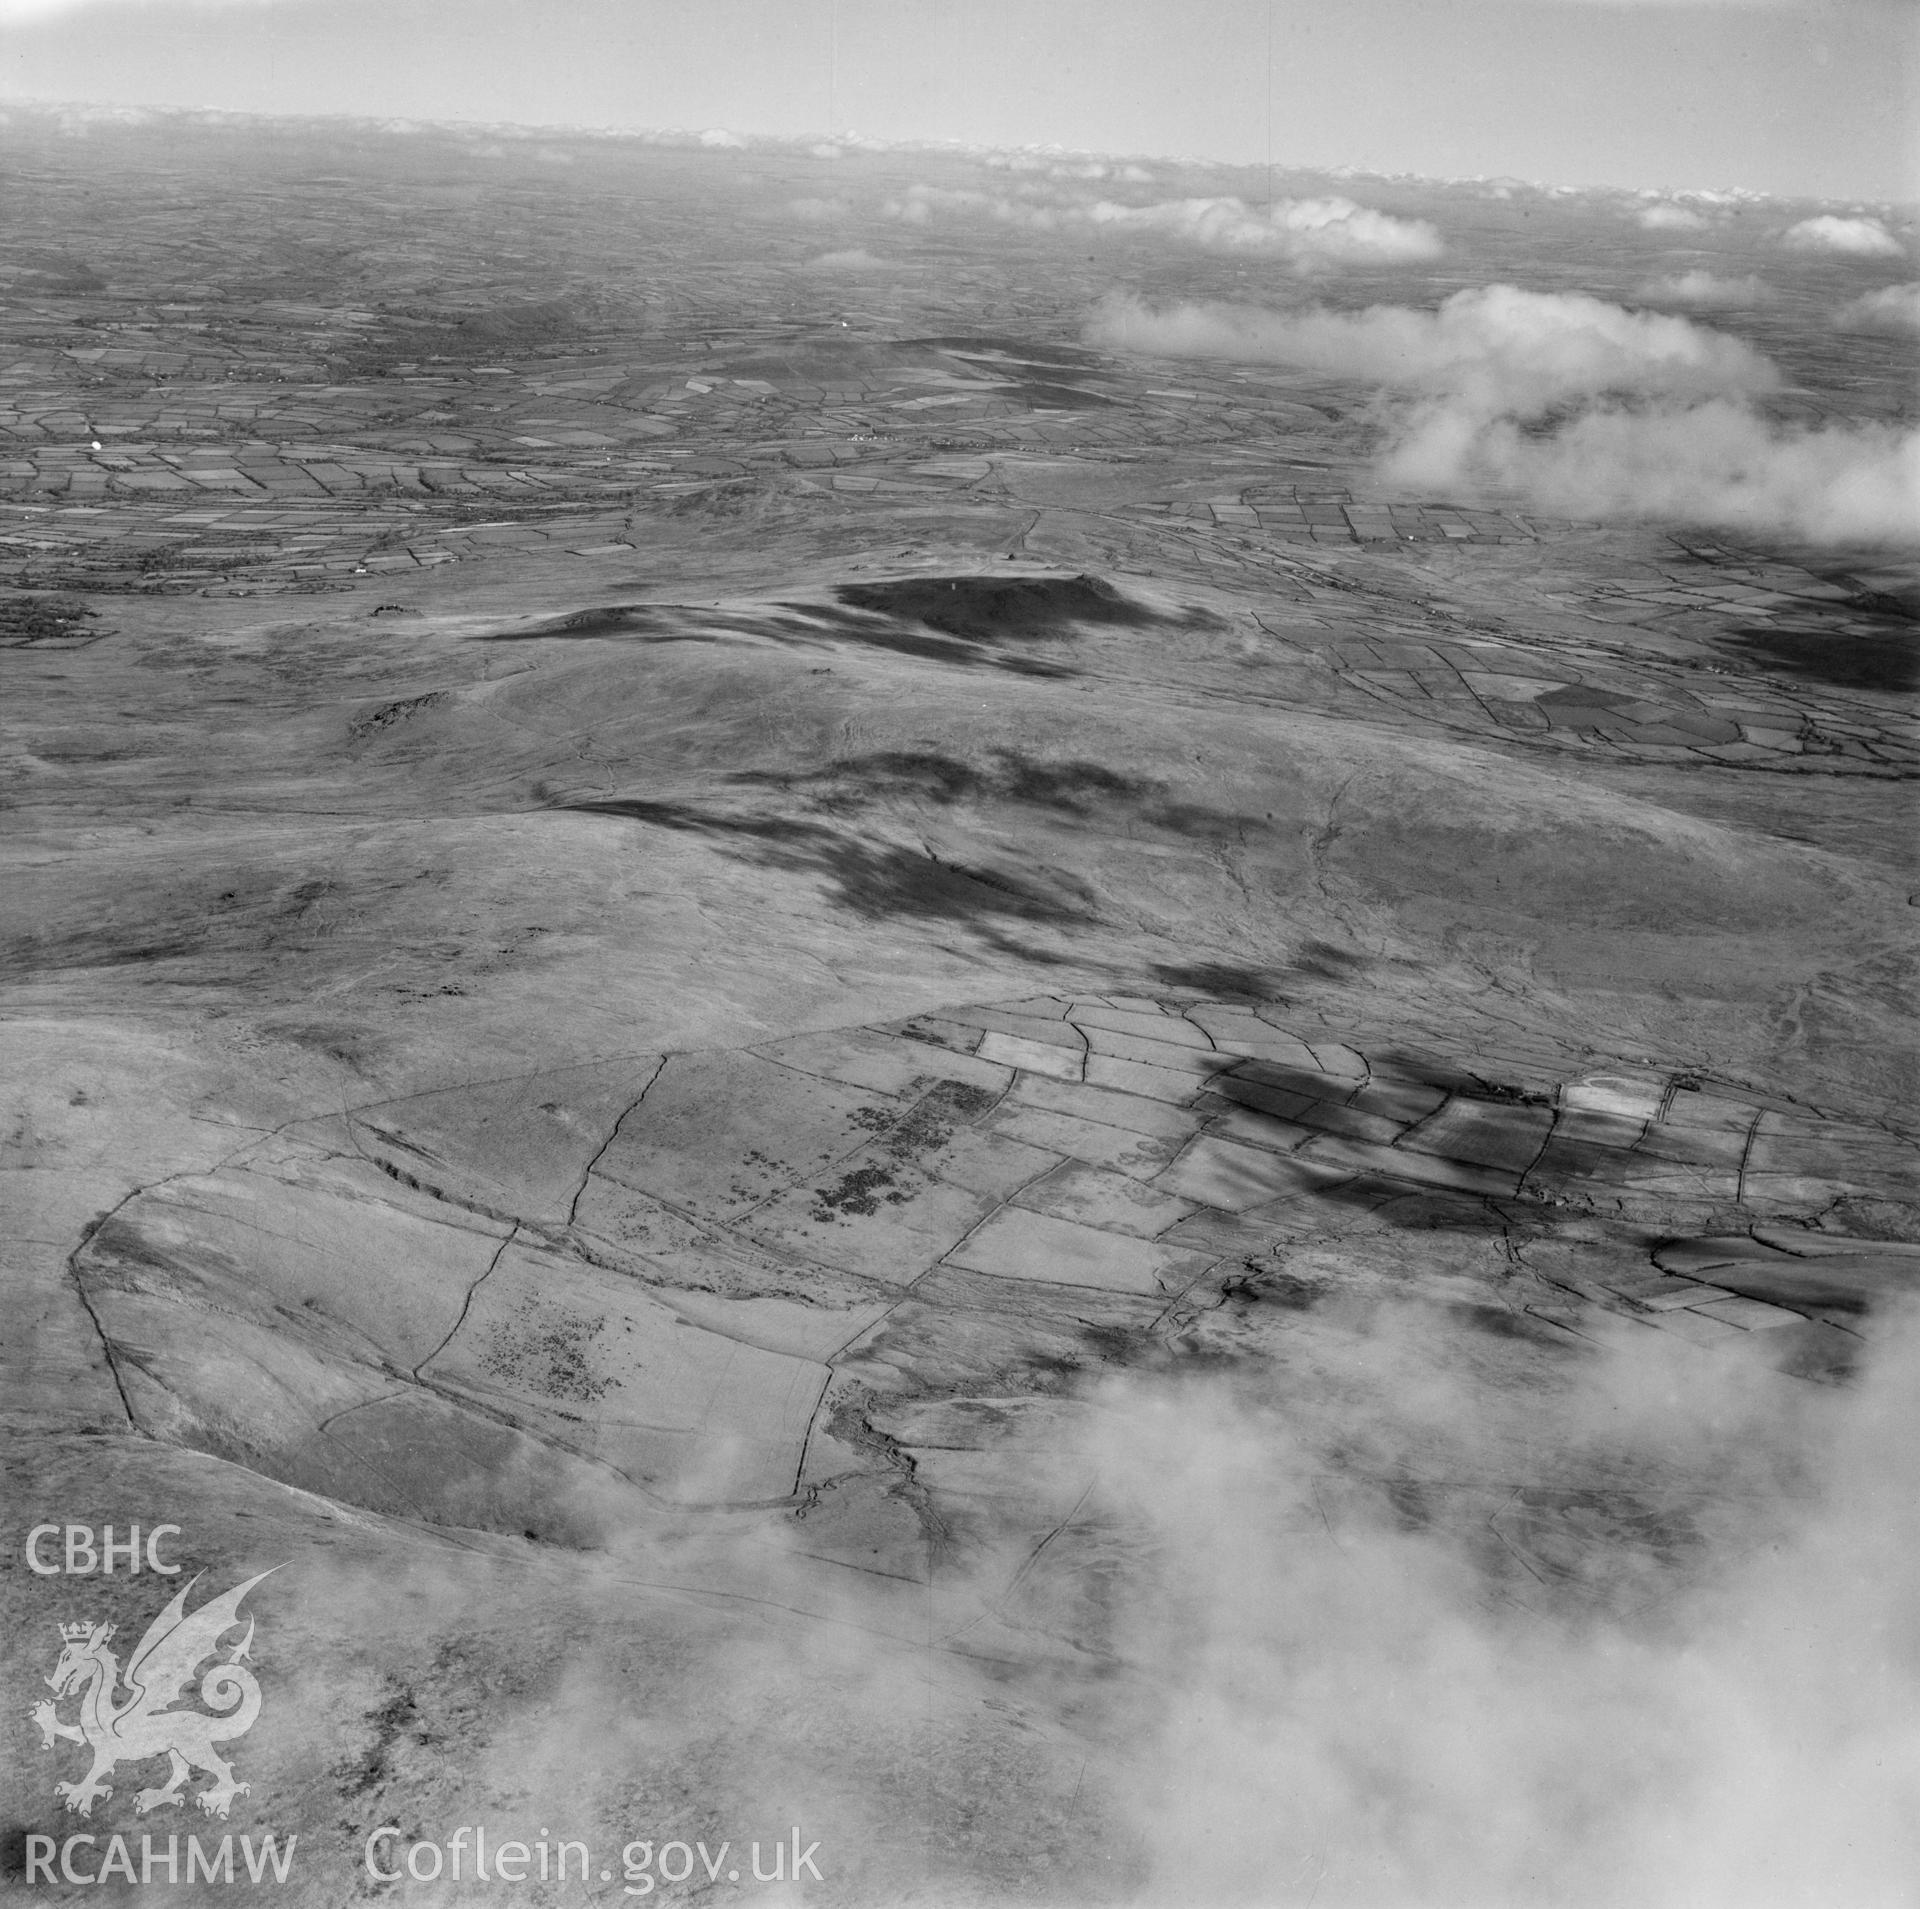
77, 122
919, 203
1864, 237
1222, 225
1671, 218
855, 260
1341, 1705
1706, 291
1892, 311
1308, 231
1500, 347
1578, 407
1034, 208
1716, 463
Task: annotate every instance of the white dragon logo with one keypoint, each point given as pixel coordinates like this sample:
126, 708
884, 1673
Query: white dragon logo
142, 1726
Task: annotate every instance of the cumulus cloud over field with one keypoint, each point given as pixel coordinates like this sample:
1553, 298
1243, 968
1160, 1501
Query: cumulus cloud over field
1894, 311
1715, 463
1671, 218
1311, 233
1580, 407
921, 204
1342, 1657
1498, 346
1348, 1717
1705, 290
1864, 237
1068, 169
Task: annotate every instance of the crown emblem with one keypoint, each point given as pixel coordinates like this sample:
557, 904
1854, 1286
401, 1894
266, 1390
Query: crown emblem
79, 1633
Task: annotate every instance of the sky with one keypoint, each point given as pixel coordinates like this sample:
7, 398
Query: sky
1802, 98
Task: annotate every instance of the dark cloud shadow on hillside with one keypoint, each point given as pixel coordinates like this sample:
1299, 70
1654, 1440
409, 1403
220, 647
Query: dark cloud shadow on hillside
817, 628
1076, 787
1230, 981
806, 626
984, 609
853, 782
1243, 981
1885, 659
1431, 1071
875, 879
639, 620
814, 831
970, 622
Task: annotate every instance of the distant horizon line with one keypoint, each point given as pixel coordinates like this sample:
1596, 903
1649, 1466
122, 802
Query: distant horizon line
716, 139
